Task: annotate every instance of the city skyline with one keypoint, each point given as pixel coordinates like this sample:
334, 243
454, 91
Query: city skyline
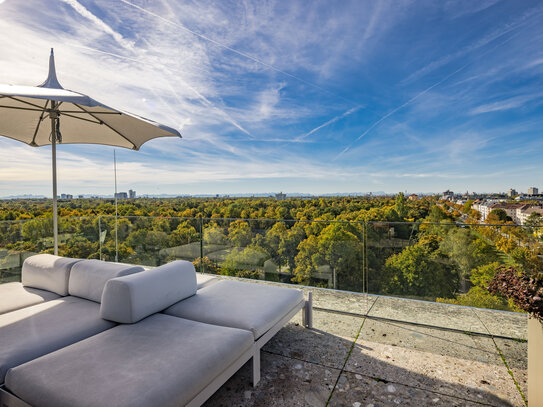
305, 97
131, 194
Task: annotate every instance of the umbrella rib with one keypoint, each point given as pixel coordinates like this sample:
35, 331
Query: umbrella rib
80, 112
107, 125
25, 102
33, 143
22, 108
80, 118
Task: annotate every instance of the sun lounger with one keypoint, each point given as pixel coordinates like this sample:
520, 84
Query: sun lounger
150, 360
30, 332
44, 278
153, 358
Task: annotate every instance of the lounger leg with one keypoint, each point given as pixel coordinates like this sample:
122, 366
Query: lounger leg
307, 313
256, 367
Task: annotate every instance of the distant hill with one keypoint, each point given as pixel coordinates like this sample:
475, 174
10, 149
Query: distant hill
26, 196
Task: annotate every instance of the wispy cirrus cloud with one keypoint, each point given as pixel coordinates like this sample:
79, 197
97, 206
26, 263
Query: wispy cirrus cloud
328, 123
507, 104
84, 12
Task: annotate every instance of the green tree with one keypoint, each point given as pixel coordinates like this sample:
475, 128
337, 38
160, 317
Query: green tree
340, 248
288, 246
467, 206
239, 233
480, 298
534, 219
36, 229
466, 252
418, 271
482, 275
245, 262
497, 216
184, 233
400, 205
307, 260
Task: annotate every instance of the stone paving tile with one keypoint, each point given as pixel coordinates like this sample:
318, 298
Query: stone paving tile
436, 341
285, 382
521, 376
509, 324
515, 352
359, 391
453, 376
328, 343
428, 313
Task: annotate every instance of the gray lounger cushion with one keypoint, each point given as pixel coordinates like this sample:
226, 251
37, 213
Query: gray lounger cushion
14, 296
34, 331
88, 277
254, 307
131, 298
47, 272
160, 361
203, 280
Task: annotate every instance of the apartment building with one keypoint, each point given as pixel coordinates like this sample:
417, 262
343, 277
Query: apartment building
523, 214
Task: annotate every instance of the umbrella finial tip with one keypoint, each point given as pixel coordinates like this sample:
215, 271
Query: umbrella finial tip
51, 81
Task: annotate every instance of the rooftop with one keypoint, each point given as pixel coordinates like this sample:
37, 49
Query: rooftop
388, 351
365, 349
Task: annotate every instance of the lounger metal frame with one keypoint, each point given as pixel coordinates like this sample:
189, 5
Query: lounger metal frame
8, 399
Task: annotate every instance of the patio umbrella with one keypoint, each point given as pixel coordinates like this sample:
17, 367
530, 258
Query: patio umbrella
72, 118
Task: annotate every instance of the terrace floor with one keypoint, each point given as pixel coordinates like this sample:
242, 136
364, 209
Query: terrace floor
383, 351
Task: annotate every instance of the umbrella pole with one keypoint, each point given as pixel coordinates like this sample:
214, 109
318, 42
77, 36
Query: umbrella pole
116, 224
54, 160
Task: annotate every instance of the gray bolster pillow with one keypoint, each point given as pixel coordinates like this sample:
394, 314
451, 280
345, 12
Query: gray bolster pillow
131, 298
48, 272
88, 277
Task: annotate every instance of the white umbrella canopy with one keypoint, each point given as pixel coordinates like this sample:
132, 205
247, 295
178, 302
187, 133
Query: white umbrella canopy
48, 114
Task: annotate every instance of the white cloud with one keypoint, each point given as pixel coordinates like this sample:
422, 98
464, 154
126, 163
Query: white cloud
84, 12
327, 123
506, 104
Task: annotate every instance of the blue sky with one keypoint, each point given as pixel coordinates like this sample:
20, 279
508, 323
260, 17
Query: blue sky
292, 96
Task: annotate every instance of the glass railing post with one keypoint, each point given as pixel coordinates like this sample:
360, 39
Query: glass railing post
100, 234
116, 234
201, 244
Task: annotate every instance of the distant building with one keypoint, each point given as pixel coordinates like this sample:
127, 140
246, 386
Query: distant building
523, 214
121, 195
533, 191
280, 196
448, 195
413, 197
513, 210
131, 194
69, 196
80, 196
484, 207
512, 192
63, 196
